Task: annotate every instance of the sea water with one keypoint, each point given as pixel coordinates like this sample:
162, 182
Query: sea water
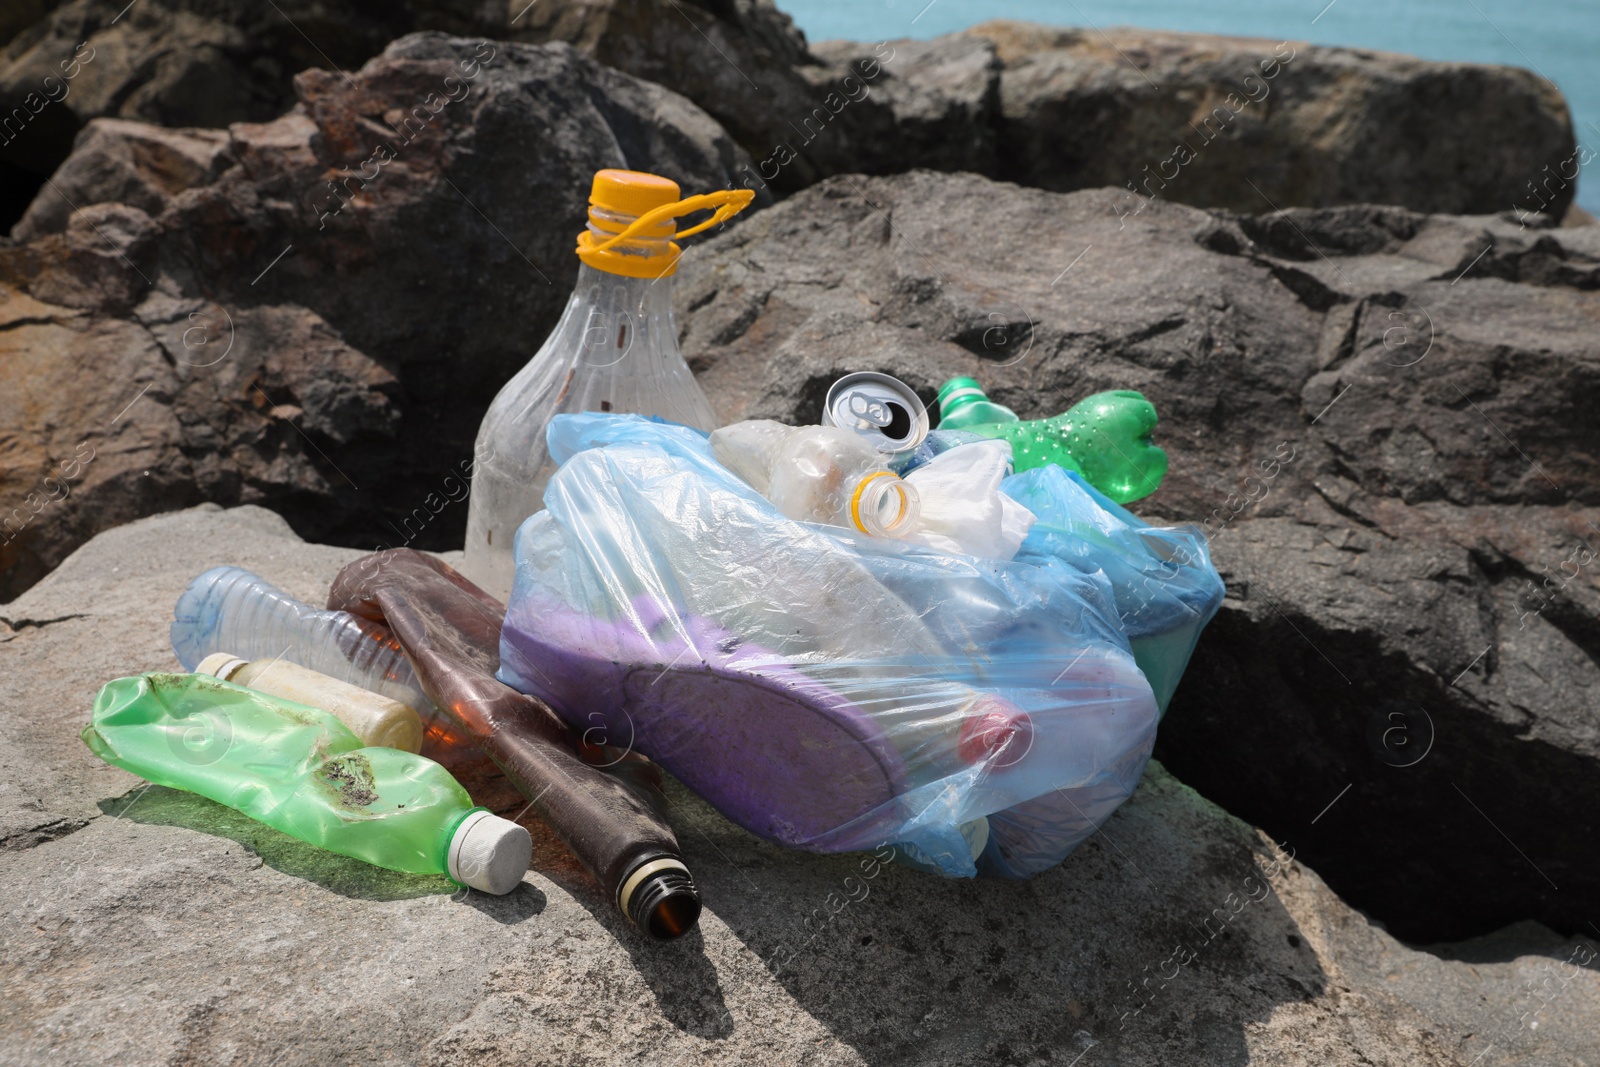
1559, 39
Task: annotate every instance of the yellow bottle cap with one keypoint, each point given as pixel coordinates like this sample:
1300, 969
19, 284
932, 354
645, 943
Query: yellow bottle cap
639, 210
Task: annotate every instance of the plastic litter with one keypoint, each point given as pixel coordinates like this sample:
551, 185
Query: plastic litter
300, 770
963, 509
879, 407
824, 474
824, 689
820, 474
375, 719
963, 403
1104, 437
1162, 579
614, 349
450, 630
228, 609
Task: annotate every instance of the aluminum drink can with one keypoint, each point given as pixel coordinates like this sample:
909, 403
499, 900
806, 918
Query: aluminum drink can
881, 408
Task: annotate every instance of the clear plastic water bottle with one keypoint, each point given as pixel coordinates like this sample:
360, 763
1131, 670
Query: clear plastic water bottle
228, 609
820, 474
614, 349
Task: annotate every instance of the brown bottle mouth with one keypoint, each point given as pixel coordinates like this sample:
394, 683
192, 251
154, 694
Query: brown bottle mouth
659, 897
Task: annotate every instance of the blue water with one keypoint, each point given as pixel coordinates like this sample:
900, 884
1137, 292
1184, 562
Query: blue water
1557, 38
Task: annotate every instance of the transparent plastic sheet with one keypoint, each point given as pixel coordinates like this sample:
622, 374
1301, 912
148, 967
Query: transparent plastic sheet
1165, 586
825, 690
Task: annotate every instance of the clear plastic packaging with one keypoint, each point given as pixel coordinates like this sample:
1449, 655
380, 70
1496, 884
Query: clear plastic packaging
300, 770
228, 609
963, 509
824, 474
820, 474
824, 689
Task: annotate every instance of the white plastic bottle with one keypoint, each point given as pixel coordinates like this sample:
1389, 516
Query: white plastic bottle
377, 720
615, 349
835, 476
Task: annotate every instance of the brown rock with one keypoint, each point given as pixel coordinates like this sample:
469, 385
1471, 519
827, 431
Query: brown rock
346, 251
131, 163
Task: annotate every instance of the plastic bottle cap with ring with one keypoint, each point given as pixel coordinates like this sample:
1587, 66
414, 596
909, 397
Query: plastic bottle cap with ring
637, 211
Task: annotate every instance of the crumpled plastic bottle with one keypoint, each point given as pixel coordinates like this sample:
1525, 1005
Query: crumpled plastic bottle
828, 475
1104, 437
228, 609
300, 770
820, 474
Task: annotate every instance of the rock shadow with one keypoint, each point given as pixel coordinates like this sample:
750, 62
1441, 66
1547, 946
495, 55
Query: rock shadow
1145, 940
681, 977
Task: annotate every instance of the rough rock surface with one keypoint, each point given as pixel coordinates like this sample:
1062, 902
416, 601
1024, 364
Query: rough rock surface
241, 315
1056, 108
1254, 125
1384, 421
148, 926
213, 63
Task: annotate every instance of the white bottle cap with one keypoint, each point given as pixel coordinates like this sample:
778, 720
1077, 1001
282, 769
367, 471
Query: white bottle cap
490, 853
219, 665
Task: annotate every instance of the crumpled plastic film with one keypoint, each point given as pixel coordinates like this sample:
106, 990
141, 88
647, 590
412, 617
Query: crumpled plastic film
1165, 586
823, 689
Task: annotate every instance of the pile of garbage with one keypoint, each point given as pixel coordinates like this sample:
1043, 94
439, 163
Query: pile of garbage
947, 638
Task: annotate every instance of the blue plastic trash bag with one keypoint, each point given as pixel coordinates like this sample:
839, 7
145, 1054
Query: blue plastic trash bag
823, 689
1165, 586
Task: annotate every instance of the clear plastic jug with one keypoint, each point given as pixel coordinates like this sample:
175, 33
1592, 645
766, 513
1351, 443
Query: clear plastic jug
615, 349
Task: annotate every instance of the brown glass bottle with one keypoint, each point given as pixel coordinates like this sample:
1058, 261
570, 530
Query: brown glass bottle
450, 630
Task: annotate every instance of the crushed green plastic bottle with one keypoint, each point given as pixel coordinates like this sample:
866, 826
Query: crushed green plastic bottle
300, 770
1104, 437
963, 403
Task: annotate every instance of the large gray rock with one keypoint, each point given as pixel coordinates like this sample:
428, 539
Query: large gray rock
148, 926
1255, 125
282, 313
1384, 420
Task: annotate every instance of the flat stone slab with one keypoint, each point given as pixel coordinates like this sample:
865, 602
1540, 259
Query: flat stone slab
142, 925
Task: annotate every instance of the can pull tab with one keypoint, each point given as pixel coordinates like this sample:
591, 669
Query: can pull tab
726, 202
871, 410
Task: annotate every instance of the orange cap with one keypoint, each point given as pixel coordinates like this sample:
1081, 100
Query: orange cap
630, 192
639, 210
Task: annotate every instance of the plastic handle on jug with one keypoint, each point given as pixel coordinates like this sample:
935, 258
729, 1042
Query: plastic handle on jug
726, 202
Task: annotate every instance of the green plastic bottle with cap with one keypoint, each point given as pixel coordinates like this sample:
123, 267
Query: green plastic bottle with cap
300, 770
1104, 437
